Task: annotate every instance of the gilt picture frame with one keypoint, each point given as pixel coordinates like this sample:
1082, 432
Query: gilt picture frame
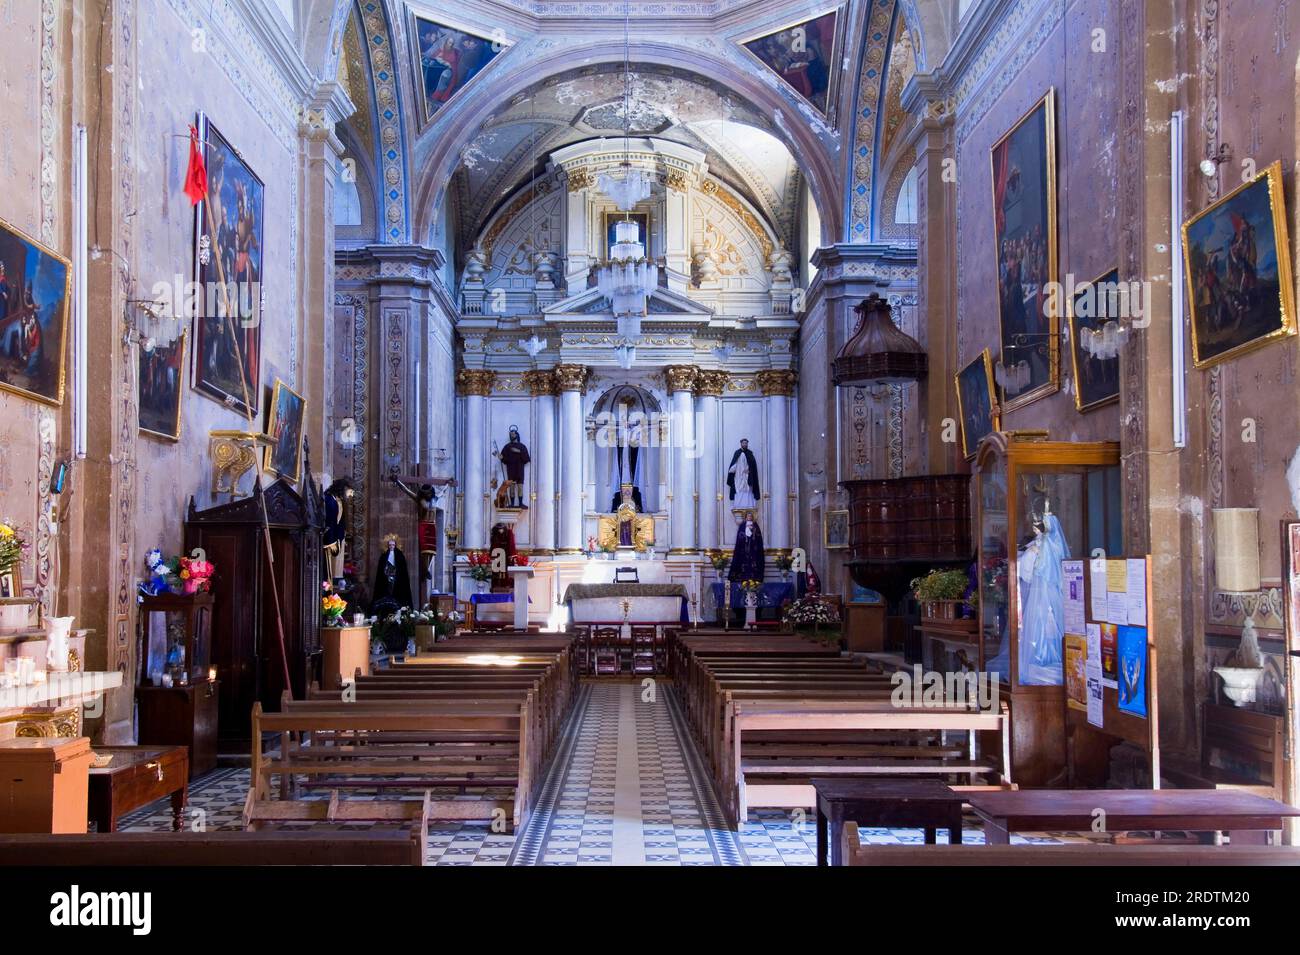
284, 424
975, 403
1237, 259
1096, 380
1023, 166
35, 298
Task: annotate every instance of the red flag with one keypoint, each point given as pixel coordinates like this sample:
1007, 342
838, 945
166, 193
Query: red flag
196, 176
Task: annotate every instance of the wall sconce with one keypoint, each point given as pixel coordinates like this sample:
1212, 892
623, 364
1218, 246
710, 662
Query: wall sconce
1212, 161
1236, 549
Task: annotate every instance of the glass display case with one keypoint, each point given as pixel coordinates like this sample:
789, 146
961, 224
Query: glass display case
175, 639
1038, 502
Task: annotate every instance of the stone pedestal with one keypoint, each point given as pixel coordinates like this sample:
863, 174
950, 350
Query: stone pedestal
519, 577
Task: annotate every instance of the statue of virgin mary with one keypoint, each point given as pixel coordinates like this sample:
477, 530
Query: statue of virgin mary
1042, 621
747, 559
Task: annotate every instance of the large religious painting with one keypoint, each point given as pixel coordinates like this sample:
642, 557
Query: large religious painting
1096, 312
1239, 271
284, 428
229, 253
35, 289
975, 402
450, 59
1024, 223
805, 55
160, 377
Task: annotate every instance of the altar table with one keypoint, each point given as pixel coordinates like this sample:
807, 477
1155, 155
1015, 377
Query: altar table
647, 603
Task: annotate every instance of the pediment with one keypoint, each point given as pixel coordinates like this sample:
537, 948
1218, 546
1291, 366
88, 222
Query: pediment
590, 303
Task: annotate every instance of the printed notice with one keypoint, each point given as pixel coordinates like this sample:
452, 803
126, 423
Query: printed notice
1116, 576
1137, 592
1092, 674
1072, 574
1117, 607
1097, 580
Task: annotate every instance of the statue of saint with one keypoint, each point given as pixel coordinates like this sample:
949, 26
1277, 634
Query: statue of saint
337, 497
742, 478
514, 458
747, 559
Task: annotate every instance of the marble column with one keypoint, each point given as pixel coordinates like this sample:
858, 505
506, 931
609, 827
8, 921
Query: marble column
682, 523
571, 380
778, 388
541, 385
708, 389
475, 384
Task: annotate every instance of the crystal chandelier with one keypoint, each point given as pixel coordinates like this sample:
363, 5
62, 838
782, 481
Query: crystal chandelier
629, 276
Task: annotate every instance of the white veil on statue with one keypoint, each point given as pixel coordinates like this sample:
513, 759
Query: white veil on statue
1042, 620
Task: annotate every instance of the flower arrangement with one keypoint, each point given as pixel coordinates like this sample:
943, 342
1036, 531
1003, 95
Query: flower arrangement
719, 560
12, 547
177, 575
940, 585
519, 560
751, 586
592, 546
480, 565
783, 562
810, 612
332, 607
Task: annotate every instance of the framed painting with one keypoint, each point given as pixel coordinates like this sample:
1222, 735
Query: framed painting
642, 220
836, 530
284, 428
228, 265
35, 291
805, 54
159, 404
9, 588
1024, 243
975, 402
451, 59
1238, 265
1096, 374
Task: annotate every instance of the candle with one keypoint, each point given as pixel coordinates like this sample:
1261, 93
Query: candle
212, 674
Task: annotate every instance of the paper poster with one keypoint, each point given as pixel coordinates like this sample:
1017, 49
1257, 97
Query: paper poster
1137, 592
1116, 576
1097, 581
1072, 582
1132, 656
1076, 689
1116, 607
1094, 701
1109, 666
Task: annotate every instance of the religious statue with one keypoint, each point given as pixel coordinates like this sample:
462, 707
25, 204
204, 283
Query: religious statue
514, 458
392, 581
1042, 629
742, 478
627, 527
337, 496
747, 559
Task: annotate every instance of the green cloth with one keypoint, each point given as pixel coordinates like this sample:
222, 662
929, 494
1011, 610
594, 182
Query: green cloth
591, 591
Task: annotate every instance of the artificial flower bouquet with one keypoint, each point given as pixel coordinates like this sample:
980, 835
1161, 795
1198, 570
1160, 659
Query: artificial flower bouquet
332, 605
480, 565
12, 547
177, 575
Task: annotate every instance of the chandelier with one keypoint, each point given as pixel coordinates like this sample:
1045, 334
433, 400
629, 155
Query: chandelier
629, 276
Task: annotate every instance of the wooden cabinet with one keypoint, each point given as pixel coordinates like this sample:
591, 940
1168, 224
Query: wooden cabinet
344, 651
134, 777
1035, 497
44, 784
245, 639
182, 716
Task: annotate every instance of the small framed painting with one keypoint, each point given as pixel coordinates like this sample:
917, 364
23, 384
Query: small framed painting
836, 530
1095, 310
1238, 264
8, 586
284, 428
161, 374
975, 403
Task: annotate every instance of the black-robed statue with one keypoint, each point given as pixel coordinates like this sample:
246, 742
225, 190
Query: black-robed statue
514, 458
747, 561
392, 580
744, 493
337, 496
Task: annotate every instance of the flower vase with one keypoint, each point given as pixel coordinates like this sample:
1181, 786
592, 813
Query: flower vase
332, 620
57, 643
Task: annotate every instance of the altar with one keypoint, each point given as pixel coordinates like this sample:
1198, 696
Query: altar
632, 603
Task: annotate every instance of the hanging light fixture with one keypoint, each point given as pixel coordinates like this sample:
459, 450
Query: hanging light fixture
628, 186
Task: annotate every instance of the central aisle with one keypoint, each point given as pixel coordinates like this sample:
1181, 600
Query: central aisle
627, 788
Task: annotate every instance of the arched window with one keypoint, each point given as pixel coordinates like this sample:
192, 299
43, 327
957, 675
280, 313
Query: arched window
905, 207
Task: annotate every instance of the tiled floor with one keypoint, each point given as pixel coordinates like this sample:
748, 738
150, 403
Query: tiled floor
626, 787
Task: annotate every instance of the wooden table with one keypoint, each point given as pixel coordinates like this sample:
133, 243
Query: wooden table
135, 777
911, 803
1247, 818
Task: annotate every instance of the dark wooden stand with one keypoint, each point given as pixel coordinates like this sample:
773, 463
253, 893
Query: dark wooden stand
909, 803
137, 776
182, 716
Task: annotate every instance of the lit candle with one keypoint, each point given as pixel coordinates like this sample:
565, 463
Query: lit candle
212, 674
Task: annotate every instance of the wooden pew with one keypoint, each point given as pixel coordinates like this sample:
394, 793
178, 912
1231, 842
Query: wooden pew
1094, 854
378, 847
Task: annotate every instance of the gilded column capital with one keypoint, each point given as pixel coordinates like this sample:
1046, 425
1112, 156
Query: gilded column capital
571, 377
475, 381
541, 383
778, 382
681, 377
711, 382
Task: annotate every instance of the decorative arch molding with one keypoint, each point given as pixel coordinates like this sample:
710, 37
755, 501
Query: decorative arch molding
438, 151
871, 89
390, 138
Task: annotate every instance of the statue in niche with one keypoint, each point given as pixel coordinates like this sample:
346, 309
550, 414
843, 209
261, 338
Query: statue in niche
514, 460
627, 527
1042, 630
392, 580
742, 478
626, 436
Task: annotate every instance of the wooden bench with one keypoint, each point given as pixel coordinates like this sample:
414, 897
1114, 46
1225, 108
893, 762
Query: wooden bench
378, 847
1094, 854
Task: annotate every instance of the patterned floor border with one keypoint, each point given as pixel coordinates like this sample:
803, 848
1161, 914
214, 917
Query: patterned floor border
531, 842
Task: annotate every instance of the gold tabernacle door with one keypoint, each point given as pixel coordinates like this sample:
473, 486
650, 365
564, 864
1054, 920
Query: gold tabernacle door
642, 528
